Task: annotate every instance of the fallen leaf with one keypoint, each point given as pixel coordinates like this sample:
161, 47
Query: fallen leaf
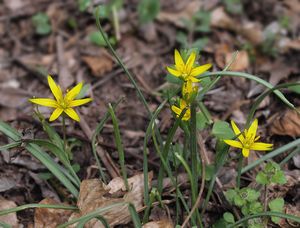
6, 183
15, 4
10, 218
220, 19
95, 194
177, 18
252, 31
240, 63
159, 224
99, 65
12, 98
285, 123
49, 217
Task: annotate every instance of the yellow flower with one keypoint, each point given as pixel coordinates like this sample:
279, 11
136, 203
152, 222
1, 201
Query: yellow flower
247, 139
182, 106
186, 70
189, 91
62, 103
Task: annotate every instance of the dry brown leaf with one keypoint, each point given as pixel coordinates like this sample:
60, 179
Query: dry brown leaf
49, 217
11, 218
99, 65
159, 224
176, 18
220, 19
240, 63
286, 123
12, 98
95, 194
252, 31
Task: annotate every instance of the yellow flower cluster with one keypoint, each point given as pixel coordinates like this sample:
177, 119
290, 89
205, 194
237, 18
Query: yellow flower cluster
187, 72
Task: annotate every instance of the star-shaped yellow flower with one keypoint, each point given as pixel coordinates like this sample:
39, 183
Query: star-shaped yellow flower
62, 103
186, 70
182, 106
247, 139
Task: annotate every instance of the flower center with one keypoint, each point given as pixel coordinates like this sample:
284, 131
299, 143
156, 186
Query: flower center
64, 104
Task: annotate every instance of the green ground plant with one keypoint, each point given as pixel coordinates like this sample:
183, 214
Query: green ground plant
191, 82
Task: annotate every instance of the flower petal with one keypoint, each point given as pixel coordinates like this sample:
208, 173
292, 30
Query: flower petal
174, 72
237, 131
251, 133
190, 62
176, 110
200, 69
178, 59
72, 114
261, 146
245, 152
193, 79
57, 112
233, 143
75, 103
74, 92
55, 89
187, 115
45, 102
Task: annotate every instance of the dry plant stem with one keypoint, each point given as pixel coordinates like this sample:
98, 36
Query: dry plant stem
116, 22
202, 151
105, 157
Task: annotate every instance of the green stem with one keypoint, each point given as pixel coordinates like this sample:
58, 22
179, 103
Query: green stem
240, 166
64, 134
193, 148
119, 145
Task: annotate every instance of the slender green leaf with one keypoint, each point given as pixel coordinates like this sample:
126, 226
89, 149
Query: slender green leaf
52, 166
35, 205
251, 77
135, 216
10, 132
11, 145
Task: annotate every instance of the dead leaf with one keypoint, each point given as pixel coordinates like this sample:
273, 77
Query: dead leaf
286, 123
12, 98
252, 31
6, 184
240, 63
99, 65
14, 5
220, 19
95, 194
49, 217
177, 18
10, 218
159, 224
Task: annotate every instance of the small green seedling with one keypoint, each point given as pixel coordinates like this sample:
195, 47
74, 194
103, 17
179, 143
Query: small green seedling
41, 23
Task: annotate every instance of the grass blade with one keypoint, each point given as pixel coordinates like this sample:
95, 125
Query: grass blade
251, 77
119, 145
135, 216
9, 131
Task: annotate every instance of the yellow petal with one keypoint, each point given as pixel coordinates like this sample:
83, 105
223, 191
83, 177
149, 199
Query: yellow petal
174, 72
237, 131
245, 152
190, 62
45, 102
75, 103
178, 59
261, 146
200, 69
72, 114
57, 112
193, 79
183, 104
233, 143
55, 89
251, 133
187, 115
73, 92
176, 110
